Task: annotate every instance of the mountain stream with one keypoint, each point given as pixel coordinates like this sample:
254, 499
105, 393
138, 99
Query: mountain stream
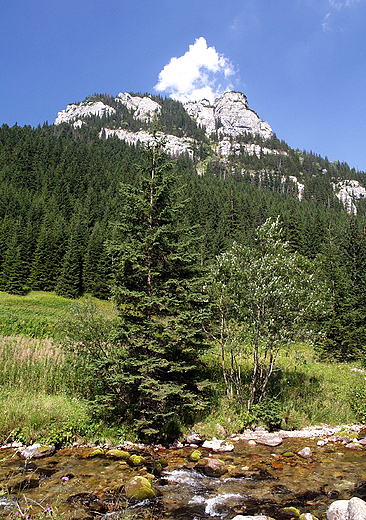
259, 480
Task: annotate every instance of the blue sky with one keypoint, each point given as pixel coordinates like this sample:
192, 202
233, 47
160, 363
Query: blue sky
301, 63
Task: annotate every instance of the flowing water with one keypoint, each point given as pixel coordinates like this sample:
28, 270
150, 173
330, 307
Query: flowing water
259, 480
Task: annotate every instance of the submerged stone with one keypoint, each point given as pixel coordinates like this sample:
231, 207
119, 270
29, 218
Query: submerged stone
305, 453
212, 468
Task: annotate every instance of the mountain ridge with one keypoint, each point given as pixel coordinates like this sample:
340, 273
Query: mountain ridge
227, 129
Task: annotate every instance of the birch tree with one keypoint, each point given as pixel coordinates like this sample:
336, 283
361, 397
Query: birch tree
274, 295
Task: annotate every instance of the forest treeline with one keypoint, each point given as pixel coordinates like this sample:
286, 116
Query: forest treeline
60, 197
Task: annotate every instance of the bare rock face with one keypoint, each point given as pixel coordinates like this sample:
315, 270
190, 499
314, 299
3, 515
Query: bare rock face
85, 109
230, 114
348, 192
144, 107
174, 145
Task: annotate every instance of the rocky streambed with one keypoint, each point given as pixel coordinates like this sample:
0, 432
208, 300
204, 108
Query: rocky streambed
281, 475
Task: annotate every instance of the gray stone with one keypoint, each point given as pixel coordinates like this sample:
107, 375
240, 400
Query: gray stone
354, 509
305, 453
269, 441
255, 517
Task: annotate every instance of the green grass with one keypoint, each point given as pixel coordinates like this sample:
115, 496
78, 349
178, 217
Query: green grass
37, 313
40, 394
307, 391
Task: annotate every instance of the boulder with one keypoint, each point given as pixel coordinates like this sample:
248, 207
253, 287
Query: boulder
36, 451
354, 509
218, 445
194, 438
305, 453
212, 467
269, 441
139, 488
137, 460
118, 454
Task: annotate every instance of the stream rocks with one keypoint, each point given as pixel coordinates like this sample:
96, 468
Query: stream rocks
253, 481
354, 509
36, 451
139, 488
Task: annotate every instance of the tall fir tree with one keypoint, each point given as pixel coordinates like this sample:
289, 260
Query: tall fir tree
157, 289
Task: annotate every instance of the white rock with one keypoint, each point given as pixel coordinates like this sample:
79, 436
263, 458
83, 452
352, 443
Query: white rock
338, 510
145, 108
231, 114
354, 509
85, 109
255, 517
174, 146
218, 445
305, 453
348, 192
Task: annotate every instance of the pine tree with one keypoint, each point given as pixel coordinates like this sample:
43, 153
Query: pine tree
69, 281
13, 279
156, 287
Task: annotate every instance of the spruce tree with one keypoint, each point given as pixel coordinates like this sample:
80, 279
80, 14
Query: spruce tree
13, 279
157, 289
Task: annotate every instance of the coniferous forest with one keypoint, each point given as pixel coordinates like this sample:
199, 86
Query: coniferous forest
81, 214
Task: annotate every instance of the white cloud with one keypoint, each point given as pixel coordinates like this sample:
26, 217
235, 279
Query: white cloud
197, 74
338, 5
325, 23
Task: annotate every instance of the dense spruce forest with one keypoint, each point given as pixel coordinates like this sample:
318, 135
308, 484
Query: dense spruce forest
64, 188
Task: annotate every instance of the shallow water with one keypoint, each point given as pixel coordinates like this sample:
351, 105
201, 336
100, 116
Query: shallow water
260, 480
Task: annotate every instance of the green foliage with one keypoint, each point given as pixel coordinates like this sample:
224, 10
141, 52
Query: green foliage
268, 412
157, 289
358, 402
88, 338
272, 294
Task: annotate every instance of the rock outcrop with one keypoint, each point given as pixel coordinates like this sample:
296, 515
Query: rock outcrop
348, 192
144, 107
173, 145
86, 108
230, 115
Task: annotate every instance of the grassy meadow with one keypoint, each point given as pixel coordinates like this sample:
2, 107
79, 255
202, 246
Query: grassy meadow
41, 398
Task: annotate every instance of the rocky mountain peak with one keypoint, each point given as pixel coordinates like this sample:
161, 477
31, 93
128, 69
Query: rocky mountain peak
145, 108
230, 115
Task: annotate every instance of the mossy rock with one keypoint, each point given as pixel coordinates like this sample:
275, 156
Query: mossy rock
288, 454
195, 456
118, 454
98, 452
139, 488
293, 510
45, 449
137, 460
163, 462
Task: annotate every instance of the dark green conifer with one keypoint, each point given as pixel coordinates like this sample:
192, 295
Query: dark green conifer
157, 289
